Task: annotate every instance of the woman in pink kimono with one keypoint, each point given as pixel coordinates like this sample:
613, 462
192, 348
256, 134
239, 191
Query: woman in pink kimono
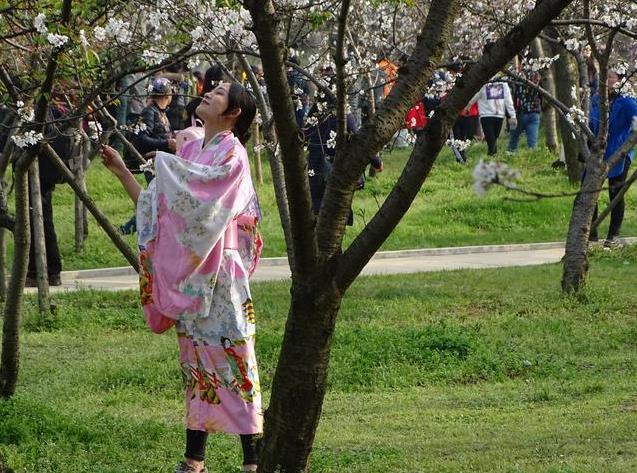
198, 246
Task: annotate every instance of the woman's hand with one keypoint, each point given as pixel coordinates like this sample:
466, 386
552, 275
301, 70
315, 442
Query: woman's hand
113, 161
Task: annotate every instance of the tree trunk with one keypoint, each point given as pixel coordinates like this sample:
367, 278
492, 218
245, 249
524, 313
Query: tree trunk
78, 161
35, 197
3, 265
575, 261
549, 118
566, 79
13, 307
85, 163
258, 168
299, 384
300, 380
3, 245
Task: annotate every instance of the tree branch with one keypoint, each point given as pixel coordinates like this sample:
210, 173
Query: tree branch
101, 219
272, 50
339, 61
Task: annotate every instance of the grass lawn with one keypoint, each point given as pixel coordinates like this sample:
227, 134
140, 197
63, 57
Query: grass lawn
446, 212
462, 371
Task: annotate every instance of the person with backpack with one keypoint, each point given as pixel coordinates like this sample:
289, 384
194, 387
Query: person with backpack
196, 255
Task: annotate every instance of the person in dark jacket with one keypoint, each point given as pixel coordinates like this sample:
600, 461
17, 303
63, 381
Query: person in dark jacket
156, 134
62, 143
320, 137
300, 91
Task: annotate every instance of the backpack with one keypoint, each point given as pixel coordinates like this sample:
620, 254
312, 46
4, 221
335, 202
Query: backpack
192, 133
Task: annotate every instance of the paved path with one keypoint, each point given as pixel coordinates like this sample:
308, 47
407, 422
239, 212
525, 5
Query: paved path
386, 262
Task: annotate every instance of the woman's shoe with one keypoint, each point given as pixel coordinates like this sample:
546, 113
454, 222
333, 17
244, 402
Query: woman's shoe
184, 467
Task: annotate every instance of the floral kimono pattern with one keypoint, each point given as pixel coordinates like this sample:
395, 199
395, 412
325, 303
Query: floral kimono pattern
195, 276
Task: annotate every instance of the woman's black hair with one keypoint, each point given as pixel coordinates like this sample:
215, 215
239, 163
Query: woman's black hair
488, 46
212, 78
240, 97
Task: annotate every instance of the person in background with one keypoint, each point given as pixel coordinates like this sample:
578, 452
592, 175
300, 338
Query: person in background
157, 134
300, 90
465, 127
176, 110
623, 111
62, 144
528, 107
320, 130
136, 87
494, 103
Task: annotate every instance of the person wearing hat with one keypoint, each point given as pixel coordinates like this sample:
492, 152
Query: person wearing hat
156, 135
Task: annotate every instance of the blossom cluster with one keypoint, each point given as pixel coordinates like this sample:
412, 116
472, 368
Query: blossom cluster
134, 128
576, 116
54, 39
29, 138
536, 64
460, 145
485, 174
116, 29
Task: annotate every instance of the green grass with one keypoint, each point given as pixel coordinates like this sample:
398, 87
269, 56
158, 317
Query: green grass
446, 211
472, 371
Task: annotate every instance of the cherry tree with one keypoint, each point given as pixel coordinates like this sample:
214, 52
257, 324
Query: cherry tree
323, 269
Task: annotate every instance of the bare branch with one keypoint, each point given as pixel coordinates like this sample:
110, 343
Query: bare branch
339, 61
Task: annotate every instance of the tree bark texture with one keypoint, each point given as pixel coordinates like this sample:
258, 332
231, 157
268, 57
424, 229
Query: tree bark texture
80, 213
258, 168
575, 261
549, 118
566, 76
299, 383
3, 244
35, 205
9, 362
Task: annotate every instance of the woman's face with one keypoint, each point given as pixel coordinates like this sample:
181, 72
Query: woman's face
214, 103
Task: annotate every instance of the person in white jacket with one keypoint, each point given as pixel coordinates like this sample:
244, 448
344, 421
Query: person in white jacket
494, 101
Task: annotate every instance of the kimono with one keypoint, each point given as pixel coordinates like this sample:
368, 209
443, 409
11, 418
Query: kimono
198, 245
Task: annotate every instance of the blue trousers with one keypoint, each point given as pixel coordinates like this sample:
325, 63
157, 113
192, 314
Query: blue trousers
528, 123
